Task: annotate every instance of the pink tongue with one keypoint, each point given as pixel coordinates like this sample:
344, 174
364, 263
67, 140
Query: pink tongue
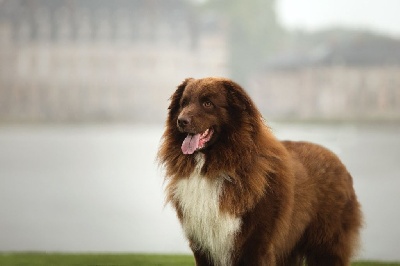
190, 144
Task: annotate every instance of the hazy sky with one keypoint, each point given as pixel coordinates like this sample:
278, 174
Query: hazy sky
381, 15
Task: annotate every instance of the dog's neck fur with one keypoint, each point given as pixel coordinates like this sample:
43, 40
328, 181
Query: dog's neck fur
208, 229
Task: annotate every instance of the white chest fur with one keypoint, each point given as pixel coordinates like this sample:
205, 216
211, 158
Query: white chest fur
211, 230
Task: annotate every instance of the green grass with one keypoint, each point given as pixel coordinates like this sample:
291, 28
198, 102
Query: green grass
374, 263
60, 259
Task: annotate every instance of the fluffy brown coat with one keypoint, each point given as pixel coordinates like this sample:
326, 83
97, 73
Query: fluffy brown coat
286, 202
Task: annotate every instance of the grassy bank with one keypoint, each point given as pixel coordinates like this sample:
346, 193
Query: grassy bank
60, 259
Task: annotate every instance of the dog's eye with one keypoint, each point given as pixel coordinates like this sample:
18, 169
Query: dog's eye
207, 104
184, 103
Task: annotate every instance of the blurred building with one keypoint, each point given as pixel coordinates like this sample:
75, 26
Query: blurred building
350, 76
95, 60
70, 60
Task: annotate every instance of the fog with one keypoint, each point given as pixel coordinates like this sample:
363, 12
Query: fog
315, 15
84, 89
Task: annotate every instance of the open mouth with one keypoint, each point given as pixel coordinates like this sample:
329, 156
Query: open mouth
195, 142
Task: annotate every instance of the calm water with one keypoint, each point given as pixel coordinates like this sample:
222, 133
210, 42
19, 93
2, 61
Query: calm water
98, 188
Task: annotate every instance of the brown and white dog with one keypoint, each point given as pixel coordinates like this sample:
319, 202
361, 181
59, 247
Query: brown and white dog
245, 198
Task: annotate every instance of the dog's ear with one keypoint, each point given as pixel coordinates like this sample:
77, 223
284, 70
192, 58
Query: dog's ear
176, 97
238, 98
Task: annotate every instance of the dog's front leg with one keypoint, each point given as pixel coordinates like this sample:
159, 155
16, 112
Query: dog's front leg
259, 257
201, 259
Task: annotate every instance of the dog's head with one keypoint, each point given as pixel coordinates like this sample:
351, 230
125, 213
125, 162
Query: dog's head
204, 112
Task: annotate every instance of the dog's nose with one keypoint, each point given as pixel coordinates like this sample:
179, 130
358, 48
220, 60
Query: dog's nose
183, 121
